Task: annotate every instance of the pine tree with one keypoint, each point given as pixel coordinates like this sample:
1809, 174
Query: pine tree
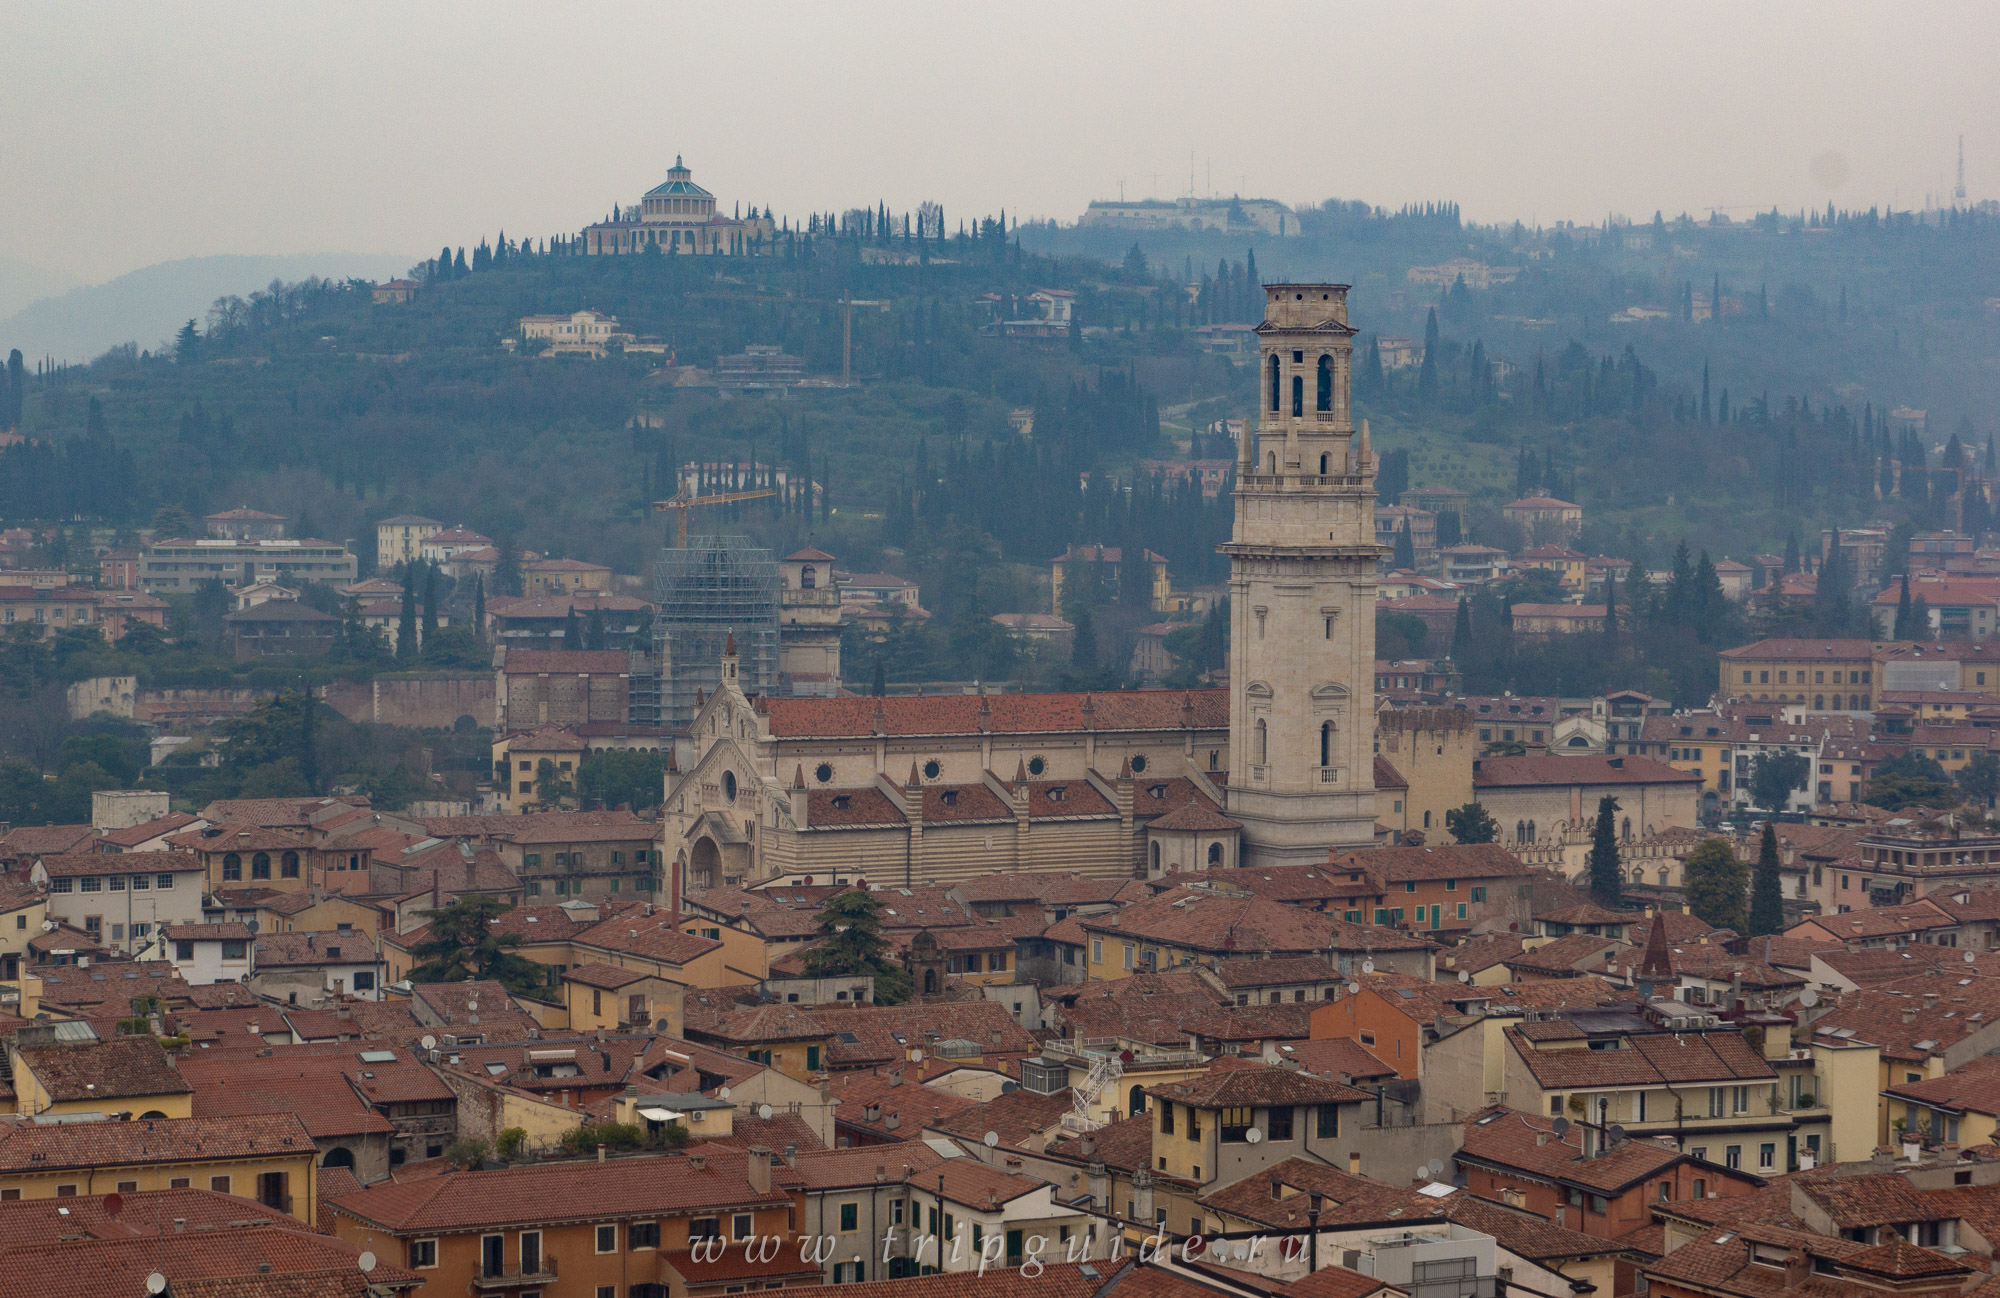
1767, 903
1606, 875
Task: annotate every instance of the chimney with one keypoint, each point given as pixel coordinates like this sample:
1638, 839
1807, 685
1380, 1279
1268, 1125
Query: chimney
1797, 1267
1354, 1164
792, 1154
600, 1151
757, 1168
697, 1162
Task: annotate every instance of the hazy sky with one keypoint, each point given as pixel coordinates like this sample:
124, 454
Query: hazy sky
135, 133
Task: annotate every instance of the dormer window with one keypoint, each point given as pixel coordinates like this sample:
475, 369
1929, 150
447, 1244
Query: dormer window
1056, 793
951, 797
841, 801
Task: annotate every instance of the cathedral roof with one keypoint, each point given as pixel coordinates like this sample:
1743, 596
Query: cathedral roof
1004, 713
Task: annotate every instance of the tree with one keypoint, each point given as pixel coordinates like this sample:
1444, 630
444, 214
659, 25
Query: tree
1461, 632
1406, 553
1606, 877
1135, 262
1767, 898
1979, 779
1901, 630
879, 684
1083, 649
463, 942
1712, 882
552, 787
851, 945
406, 620
479, 606
172, 522
572, 630
1472, 823
1911, 779
1773, 777
430, 604
187, 344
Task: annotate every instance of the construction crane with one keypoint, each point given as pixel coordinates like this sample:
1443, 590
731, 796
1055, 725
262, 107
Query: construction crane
683, 502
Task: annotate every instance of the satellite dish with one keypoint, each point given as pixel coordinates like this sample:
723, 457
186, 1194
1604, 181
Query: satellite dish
1808, 998
1354, 989
764, 1112
1465, 975
114, 1204
1423, 1169
472, 1006
723, 1093
1253, 1136
50, 926
1437, 1167
1614, 1133
366, 1261
1008, 1088
1560, 1126
252, 926
991, 1140
1458, 1180
916, 1056
1368, 966
156, 1283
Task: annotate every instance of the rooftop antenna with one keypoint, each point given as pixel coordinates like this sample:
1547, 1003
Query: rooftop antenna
1958, 194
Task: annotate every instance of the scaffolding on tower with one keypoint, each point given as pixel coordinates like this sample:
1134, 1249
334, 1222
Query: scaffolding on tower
713, 587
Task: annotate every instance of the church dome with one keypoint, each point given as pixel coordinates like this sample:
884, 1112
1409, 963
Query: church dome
678, 184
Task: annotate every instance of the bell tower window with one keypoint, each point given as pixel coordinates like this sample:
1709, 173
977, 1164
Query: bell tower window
1274, 384
1298, 394
1325, 382
1326, 743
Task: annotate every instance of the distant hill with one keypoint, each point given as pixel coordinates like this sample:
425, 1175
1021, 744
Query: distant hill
146, 306
22, 283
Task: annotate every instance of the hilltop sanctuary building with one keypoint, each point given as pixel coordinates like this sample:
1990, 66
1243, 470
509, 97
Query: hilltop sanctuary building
678, 217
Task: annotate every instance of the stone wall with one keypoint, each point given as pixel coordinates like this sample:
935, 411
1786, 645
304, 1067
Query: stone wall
428, 702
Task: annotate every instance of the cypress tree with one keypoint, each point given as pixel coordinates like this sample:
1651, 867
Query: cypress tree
430, 602
572, 632
1461, 632
1767, 903
880, 686
406, 620
479, 606
1610, 615
1606, 878
1901, 631
441, 268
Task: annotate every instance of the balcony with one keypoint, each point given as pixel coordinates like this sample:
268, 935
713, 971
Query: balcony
513, 1277
1089, 1050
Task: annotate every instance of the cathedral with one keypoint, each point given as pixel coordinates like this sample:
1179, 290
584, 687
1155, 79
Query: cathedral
1276, 769
678, 218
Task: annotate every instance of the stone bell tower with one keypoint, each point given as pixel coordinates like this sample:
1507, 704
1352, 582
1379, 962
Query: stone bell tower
1302, 593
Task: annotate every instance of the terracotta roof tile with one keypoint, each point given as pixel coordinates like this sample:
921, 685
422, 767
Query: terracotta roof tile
960, 714
892, 1093
118, 1069
1224, 1087
151, 1140
547, 1193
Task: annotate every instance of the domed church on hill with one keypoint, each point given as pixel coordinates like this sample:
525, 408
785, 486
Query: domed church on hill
678, 218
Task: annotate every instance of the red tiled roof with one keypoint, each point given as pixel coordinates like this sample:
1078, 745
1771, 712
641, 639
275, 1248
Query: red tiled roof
133, 835
1526, 1142
1231, 1083
960, 714
548, 1193
152, 1140
119, 1069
